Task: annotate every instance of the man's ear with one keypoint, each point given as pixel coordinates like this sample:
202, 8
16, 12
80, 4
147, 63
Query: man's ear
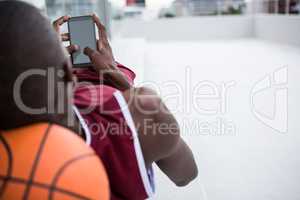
69, 77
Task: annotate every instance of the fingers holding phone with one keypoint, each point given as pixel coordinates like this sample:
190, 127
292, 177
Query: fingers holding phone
103, 43
81, 35
65, 37
59, 22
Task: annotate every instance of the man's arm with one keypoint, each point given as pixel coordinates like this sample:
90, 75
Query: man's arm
180, 166
108, 69
159, 135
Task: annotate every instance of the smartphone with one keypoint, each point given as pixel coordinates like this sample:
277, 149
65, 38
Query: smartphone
82, 33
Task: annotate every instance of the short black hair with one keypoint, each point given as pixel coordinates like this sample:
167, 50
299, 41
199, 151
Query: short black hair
27, 42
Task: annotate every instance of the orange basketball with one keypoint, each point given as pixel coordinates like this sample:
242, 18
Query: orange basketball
45, 161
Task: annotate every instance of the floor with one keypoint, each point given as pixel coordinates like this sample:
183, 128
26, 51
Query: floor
237, 102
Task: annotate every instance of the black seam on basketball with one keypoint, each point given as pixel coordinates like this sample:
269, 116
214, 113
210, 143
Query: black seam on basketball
61, 170
10, 163
35, 163
44, 186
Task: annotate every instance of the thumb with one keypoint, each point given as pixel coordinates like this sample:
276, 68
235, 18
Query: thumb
72, 48
90, 52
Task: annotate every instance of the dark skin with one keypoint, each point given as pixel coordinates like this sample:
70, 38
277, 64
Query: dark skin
18, 55
162, 146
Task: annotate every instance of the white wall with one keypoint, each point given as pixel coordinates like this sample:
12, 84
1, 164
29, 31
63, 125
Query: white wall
278, 28
38, 3
201, 27
188, 28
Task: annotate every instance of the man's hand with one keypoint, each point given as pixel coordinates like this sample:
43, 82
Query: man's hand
65, 36
102, 58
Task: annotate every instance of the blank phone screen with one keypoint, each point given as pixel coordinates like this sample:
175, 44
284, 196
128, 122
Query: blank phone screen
82, 33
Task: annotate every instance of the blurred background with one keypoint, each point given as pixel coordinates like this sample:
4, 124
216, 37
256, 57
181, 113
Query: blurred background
229, 70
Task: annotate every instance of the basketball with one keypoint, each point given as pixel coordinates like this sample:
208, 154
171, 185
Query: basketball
45, 161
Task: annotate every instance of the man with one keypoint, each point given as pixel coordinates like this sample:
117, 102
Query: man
112, 101
29, 49
34, 81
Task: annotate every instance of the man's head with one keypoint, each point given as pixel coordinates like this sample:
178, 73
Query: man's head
32, 64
